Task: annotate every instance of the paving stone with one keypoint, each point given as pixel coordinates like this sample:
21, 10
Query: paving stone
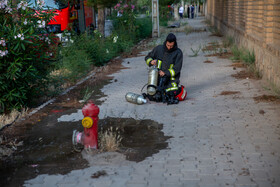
154, 183
33, 185
119, 182
133, 184
208, 170
136, 180
38, 180
69, 180
259, 174
52, 180
190, 175
264, 183
245, 181
190, 183
172, 178
224, 180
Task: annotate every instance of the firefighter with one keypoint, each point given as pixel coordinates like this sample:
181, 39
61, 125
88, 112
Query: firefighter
168, 58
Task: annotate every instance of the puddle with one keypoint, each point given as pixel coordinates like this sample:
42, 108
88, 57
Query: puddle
140, 138
47, 147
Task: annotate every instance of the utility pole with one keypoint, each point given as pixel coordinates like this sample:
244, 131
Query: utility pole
155, 18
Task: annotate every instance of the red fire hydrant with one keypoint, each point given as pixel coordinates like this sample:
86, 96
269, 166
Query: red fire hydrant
89, 138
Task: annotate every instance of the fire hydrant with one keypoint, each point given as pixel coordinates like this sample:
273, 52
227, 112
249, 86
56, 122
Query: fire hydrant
88, 138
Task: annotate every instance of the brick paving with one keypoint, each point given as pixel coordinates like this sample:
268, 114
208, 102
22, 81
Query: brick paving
217, 140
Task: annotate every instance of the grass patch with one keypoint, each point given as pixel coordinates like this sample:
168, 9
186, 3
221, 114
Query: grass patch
110, 140
188, 30
6, 119
215, 31
236, 53
228, 42
195, 51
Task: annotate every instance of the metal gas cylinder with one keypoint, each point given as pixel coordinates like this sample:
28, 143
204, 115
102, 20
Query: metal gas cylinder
135, 98
152, 81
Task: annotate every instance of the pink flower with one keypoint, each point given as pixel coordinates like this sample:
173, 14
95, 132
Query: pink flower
118, 5
132, 7
125, 6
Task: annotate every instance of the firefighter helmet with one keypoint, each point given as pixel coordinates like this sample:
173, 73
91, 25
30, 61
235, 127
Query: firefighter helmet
182, 94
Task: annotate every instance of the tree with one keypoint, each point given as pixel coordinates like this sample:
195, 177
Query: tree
100, 6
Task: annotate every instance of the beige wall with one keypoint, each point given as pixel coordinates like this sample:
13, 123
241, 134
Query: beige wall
255, 24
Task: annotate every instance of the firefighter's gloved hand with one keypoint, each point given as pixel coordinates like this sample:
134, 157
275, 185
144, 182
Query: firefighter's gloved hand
154, 62
161, 73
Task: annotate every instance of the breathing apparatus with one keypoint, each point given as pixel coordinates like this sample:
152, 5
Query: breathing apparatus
152, 80
135, 98
156, 88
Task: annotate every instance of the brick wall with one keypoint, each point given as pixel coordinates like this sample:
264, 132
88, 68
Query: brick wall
255, 24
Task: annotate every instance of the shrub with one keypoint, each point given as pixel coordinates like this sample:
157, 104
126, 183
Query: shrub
248, 57
24, 54
143, 27
228, 42
124, 19
75, 63
236, 53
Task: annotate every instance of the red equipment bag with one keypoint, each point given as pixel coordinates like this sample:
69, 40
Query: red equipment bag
182, 95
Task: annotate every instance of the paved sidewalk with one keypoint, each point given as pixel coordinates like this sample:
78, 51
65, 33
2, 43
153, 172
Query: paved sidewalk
217, 140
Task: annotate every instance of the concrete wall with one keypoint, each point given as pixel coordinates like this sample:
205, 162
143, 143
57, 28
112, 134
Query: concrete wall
255, 24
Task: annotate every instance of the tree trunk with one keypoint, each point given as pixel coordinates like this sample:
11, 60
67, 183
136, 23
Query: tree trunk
176, 12
101, 19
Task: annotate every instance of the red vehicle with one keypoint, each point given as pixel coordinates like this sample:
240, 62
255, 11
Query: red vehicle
76, 16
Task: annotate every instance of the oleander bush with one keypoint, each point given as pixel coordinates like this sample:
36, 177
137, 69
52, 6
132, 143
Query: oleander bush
25, 54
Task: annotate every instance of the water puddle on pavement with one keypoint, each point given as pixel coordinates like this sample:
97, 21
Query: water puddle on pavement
47, 147
140, 138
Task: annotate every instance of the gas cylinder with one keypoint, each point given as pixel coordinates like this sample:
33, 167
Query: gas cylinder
135, 98
152, 80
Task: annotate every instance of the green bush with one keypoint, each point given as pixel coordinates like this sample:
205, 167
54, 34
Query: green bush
24, 55
75, 63
236, 53
87, 50
143, 27
248, 57
228, 42
164, 16
243, 54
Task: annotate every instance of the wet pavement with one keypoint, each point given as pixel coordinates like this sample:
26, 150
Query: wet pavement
219, 136
48, 149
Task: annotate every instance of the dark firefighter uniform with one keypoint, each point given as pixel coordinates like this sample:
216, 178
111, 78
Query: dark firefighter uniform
169, 61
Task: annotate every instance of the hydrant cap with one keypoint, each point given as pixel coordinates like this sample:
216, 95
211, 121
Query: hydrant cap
90, 110
87, 122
